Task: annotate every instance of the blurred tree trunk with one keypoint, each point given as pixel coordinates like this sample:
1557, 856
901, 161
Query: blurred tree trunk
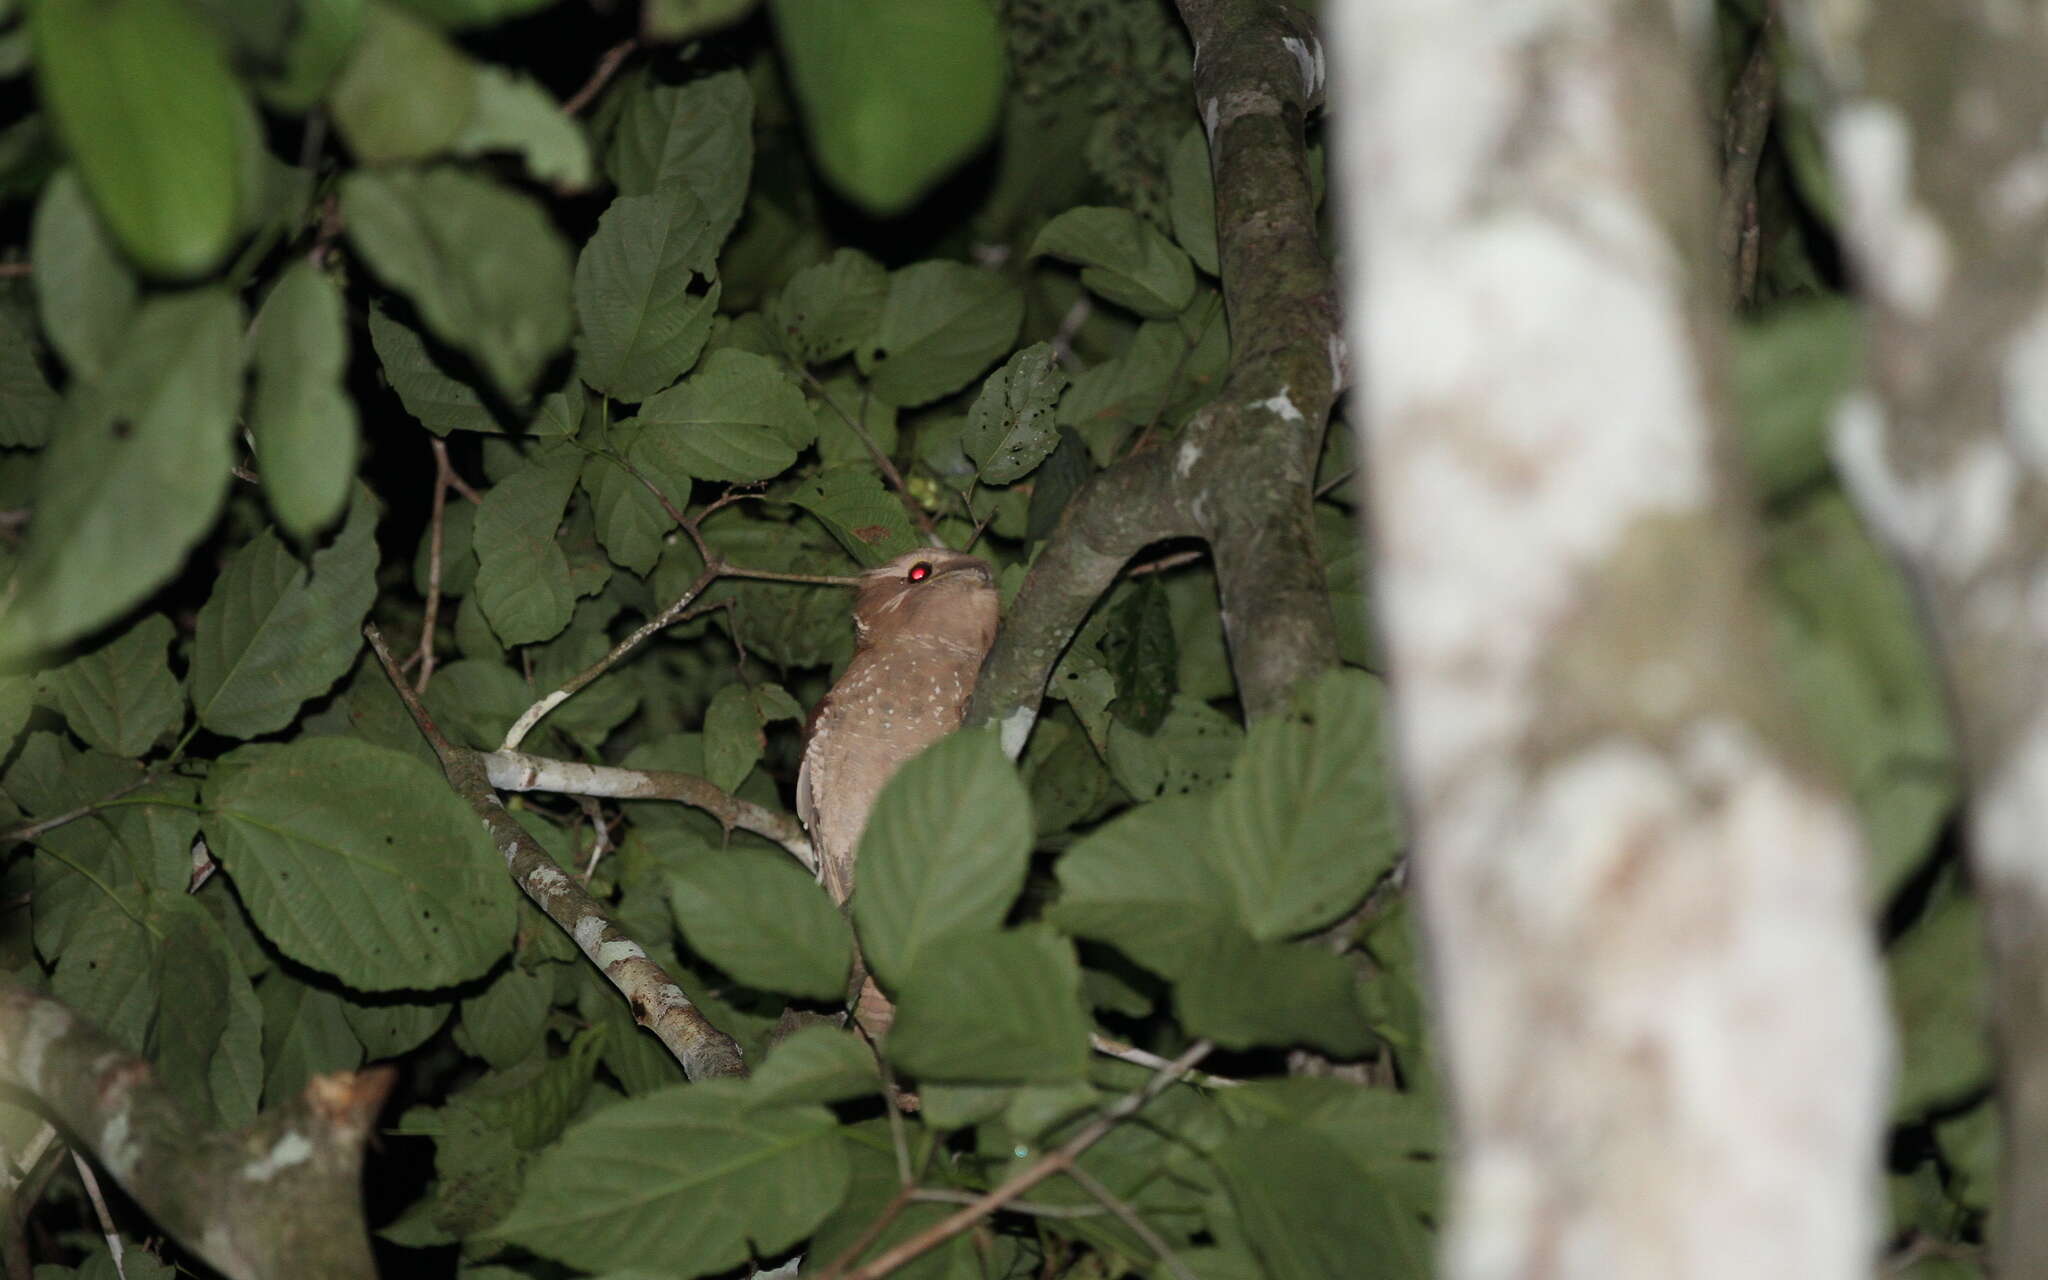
1936, 135
1661, 1013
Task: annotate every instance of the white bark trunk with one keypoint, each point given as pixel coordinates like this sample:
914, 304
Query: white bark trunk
1658, 997
1939, 137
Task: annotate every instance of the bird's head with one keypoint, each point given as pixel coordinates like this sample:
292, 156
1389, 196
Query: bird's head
930, 595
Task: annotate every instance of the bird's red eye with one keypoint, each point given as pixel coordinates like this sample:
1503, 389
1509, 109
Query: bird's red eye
919, 571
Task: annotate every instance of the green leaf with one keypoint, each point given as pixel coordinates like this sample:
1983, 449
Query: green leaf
999, 1007
1244, 994
513, 113
1192, 204
732, 737
121, 698
358, 861
318, 47
300, 414
28, 407
1307, 820
697, 135
135, 474
107, 973
406, 93
1191, 751
1791, 368
1139, 651
943, 323
630, 522
1010, 429
273, 635
504, 1025
685, 1173
1135, 883
304, 1035
760, 918
944, 852
441, 401
460, 14
895, 93
642, 322
391, 1027
735, 419
522, 578
483, 264
682, 19
1299, 1201
198, 976
85, 293
865, 517
816, 1064
1940, 989
142, 97
826, 309
1123, 258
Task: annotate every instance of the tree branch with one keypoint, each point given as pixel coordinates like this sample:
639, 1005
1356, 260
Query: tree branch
279, 1198
1241, 473
657, 1001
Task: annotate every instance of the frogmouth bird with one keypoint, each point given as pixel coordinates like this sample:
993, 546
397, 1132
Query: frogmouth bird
922, 624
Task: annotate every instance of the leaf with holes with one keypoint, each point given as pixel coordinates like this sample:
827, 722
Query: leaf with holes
642, 296
943, 323
1010, 429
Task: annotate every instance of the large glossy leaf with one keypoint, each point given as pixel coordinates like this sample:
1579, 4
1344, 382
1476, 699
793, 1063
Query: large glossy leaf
483, 264
644, 300
761, 919
142, 96
85, 292
943, 323
683, 1173
301, 417
944, 851
358, 861
135, 474
121, 698
697, 135
273, 634
737, 418
895, 93
1138, 882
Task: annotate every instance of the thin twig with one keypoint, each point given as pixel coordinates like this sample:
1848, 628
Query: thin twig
99, 1208
30, 830
1058, 1161
1036, 1209
435, 528
638, 636
607, 67
1747, 123
1117, 1049
911, 505
39, 1164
